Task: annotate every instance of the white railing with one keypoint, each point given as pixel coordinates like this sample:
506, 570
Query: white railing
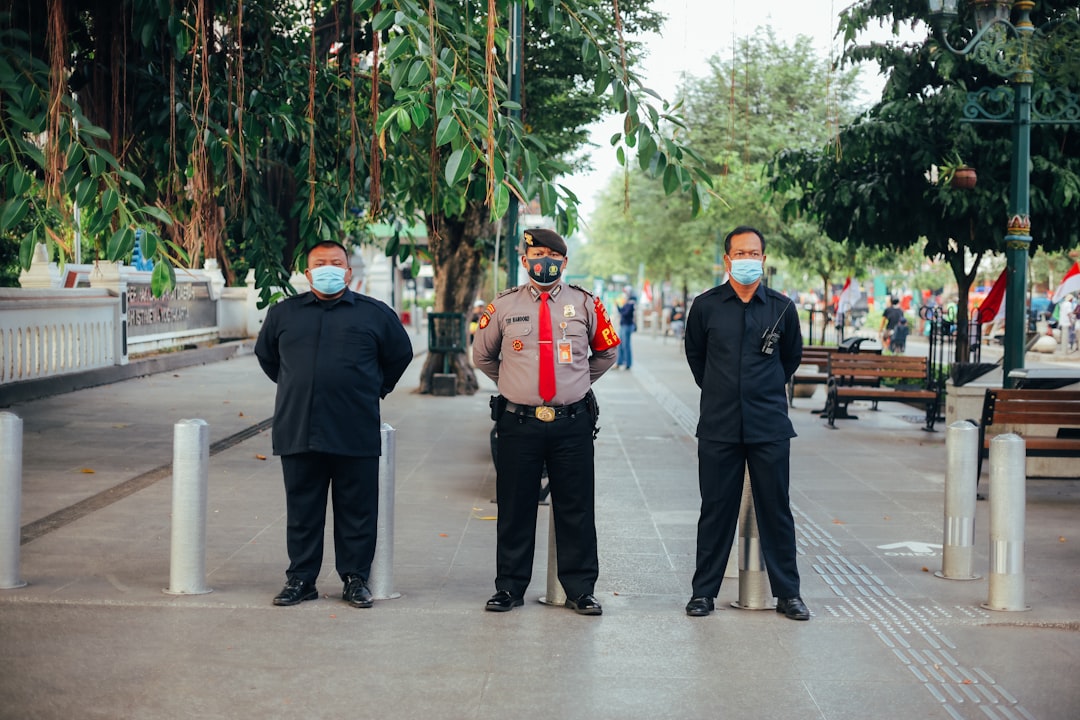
47, 332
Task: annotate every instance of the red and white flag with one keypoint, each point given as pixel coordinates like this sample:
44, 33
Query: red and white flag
848, 296
1069, 284
994, 303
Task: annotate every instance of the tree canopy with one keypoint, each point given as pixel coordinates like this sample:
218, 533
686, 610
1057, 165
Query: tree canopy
884, 182
246, 131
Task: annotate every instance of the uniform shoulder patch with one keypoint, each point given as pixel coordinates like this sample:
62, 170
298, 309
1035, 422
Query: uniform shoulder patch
578, 287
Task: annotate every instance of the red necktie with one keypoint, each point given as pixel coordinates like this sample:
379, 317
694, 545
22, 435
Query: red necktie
547, 354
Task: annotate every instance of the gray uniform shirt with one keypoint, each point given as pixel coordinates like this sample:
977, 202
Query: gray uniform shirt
506, 346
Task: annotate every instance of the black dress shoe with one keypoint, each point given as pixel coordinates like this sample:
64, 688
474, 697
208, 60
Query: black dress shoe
503, 601
356, 592
584, 605
296, 592
700, 606
793, 608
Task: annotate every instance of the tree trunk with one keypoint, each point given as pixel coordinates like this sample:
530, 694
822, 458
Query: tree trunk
456, 257
964, 279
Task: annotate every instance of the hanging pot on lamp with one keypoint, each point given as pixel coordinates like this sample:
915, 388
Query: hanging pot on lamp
963, 178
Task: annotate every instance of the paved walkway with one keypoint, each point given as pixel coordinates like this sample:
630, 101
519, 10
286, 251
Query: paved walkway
94, 636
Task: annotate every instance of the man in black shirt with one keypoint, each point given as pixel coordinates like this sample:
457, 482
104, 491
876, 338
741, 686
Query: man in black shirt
743, 342
333, 354
889, 320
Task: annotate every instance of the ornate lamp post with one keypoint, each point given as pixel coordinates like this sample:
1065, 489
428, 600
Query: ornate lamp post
1017, 52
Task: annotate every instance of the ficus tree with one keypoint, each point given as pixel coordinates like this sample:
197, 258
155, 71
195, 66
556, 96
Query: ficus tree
247, 131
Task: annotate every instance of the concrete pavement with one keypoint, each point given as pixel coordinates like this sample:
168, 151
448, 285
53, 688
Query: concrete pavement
93, 635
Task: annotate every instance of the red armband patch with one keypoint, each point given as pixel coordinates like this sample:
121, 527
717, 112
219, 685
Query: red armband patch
484, 320
605, 337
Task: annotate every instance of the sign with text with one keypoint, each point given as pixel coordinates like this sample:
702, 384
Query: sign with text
187, 307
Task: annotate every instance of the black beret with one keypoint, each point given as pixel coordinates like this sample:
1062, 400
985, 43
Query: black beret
541, 237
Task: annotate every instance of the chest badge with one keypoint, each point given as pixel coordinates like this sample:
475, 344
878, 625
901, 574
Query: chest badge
517, 345
568, 311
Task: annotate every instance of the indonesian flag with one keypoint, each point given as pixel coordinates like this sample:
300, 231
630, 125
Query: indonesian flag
1069, 284
848, 296
994, 304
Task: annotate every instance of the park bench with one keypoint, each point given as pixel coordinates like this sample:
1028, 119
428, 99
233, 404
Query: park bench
1054, 413
813, 370
814, 365
866, 376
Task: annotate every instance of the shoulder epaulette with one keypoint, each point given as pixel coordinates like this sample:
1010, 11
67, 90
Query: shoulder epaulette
578, 287
509, 290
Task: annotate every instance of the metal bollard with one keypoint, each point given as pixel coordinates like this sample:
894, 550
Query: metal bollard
1008, 501
191, 464
555, 593
962, 460
11, 447
754, 590
381, 580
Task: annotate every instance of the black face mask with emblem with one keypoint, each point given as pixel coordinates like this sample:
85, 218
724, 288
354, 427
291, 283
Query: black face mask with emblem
544, 270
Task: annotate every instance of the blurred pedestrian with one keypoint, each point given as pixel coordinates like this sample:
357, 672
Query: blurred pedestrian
545, 343
627, 326
743, 342
334, 354
900, 336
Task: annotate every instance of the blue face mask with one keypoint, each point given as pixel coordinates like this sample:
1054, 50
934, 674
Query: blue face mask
746, 272
328, 279
544, 270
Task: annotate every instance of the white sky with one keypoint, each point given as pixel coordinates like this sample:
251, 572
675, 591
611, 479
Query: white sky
695, 31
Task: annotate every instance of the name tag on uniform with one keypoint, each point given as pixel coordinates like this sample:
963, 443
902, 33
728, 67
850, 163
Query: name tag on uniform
565, 356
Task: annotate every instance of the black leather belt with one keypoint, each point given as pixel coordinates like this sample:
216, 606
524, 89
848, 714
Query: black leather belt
546, 413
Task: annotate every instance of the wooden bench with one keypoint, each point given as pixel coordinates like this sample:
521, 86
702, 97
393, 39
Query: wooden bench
816, 356
863, 376
1056, 410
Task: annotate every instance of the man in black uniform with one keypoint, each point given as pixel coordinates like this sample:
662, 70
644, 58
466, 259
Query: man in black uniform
544, 343
333, 354
743, 342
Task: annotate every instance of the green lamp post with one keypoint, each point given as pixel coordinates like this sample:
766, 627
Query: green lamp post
1017, 52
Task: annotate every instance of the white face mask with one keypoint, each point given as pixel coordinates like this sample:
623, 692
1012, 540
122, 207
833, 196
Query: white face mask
328, 279
745, 272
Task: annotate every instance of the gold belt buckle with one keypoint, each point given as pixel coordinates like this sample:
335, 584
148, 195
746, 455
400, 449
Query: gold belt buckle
544, 414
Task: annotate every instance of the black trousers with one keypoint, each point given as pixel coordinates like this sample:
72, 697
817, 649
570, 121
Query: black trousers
353, 483
565, 445
720, 477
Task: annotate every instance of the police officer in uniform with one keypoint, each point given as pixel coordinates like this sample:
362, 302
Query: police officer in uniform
545, 343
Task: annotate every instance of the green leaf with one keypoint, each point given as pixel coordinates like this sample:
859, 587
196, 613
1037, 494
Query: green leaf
120, 244
457, 166
20, 183
157, 213
163, 279
26, 248
97, 165
671, 180
384, 19
418, 73
110, 199
15, 211
447, 131
500, 202
148, 244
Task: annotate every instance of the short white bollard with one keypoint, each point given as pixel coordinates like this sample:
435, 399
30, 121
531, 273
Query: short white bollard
1008, 504
961, 463
191, 465
11, 447
754, 591
381, 579
555, 594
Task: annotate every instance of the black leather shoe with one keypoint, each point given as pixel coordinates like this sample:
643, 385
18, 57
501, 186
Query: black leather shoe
585, 605
356, 592
503, 601
793, 608
296, 592
700, 606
